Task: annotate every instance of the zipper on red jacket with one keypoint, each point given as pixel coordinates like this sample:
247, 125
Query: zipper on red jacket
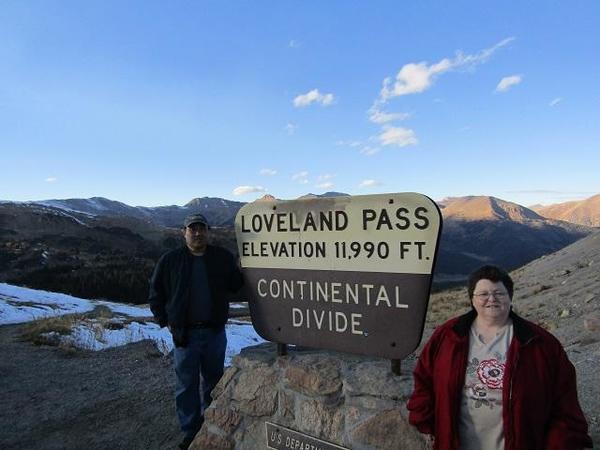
509, 429
510, 437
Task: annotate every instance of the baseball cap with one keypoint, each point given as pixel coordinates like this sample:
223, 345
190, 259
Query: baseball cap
195, 218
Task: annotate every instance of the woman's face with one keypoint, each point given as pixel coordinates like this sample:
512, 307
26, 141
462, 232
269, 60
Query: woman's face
491, 301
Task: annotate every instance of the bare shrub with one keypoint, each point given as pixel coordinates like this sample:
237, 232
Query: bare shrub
44, 331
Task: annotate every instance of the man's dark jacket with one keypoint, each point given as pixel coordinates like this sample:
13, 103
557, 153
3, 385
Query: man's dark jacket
170, 288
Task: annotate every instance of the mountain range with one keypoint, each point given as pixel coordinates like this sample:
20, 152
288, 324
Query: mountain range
104, 248
487, 230
584, 212
218, 211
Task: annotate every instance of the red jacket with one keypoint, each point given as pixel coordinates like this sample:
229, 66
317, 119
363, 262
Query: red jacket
540, 409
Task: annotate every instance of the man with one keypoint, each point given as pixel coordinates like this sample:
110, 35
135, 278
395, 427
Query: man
188, 294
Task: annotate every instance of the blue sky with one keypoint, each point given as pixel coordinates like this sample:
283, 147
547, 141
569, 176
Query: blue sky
155, 103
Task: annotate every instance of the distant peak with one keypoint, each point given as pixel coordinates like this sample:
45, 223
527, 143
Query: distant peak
266, 198
486, 208
325, 195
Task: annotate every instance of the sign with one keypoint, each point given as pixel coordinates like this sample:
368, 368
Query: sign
346, 273
281, 438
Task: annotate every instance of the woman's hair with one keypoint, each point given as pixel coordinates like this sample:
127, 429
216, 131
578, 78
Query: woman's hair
492, 273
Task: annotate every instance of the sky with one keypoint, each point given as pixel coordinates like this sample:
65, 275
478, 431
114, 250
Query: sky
20, 305
155, 103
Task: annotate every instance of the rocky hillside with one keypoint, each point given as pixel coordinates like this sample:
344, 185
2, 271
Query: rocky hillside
83, 254
479, 230
584, 212
485, 208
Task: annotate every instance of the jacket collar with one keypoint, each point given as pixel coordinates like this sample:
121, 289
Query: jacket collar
522, 331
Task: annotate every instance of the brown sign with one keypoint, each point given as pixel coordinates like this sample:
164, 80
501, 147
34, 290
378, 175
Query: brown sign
281, 438
345, 273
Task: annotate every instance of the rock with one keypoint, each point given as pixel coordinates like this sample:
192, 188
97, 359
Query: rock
205, 440
592, 324
321, 421
224, 418
286, 407
251, 437
377, 380
564, 313
224, 381
263, 354
313, 375
256, 391
388, 430
589, 298
370, 403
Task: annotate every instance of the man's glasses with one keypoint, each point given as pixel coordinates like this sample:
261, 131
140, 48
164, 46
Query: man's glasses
498, 295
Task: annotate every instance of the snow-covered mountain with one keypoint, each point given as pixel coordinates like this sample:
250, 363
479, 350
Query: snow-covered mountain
219, 212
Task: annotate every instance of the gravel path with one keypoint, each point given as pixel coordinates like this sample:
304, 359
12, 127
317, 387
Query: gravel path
120, 398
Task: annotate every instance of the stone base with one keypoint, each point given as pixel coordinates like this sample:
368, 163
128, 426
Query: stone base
352, 401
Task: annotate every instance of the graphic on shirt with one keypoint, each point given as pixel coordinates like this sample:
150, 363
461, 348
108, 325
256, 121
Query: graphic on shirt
484, 382
491, 373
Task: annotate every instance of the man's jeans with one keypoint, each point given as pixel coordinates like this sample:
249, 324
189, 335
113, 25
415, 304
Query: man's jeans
205, 353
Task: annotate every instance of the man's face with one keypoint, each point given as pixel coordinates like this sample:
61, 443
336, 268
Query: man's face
196, 237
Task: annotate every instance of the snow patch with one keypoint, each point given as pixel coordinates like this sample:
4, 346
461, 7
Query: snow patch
18, 305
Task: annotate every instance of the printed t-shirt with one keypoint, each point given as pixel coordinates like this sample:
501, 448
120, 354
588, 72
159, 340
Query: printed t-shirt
481, 404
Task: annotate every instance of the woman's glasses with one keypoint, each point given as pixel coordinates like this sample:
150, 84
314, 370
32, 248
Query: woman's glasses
498, 295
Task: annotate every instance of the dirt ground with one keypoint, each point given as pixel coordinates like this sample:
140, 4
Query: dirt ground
120, 398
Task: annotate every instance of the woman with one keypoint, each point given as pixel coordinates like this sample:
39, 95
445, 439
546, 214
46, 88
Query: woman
492, 380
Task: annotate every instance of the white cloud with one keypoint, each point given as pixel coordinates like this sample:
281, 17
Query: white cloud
51, 180
324, 181
555, 102
377, 116
291, 128
326, 185
507, 82
294, 44
313, 96
325, 177
369, 151
301, 177
242, 190
398, 136
268, 172
349, 143
369, 183
414, 78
